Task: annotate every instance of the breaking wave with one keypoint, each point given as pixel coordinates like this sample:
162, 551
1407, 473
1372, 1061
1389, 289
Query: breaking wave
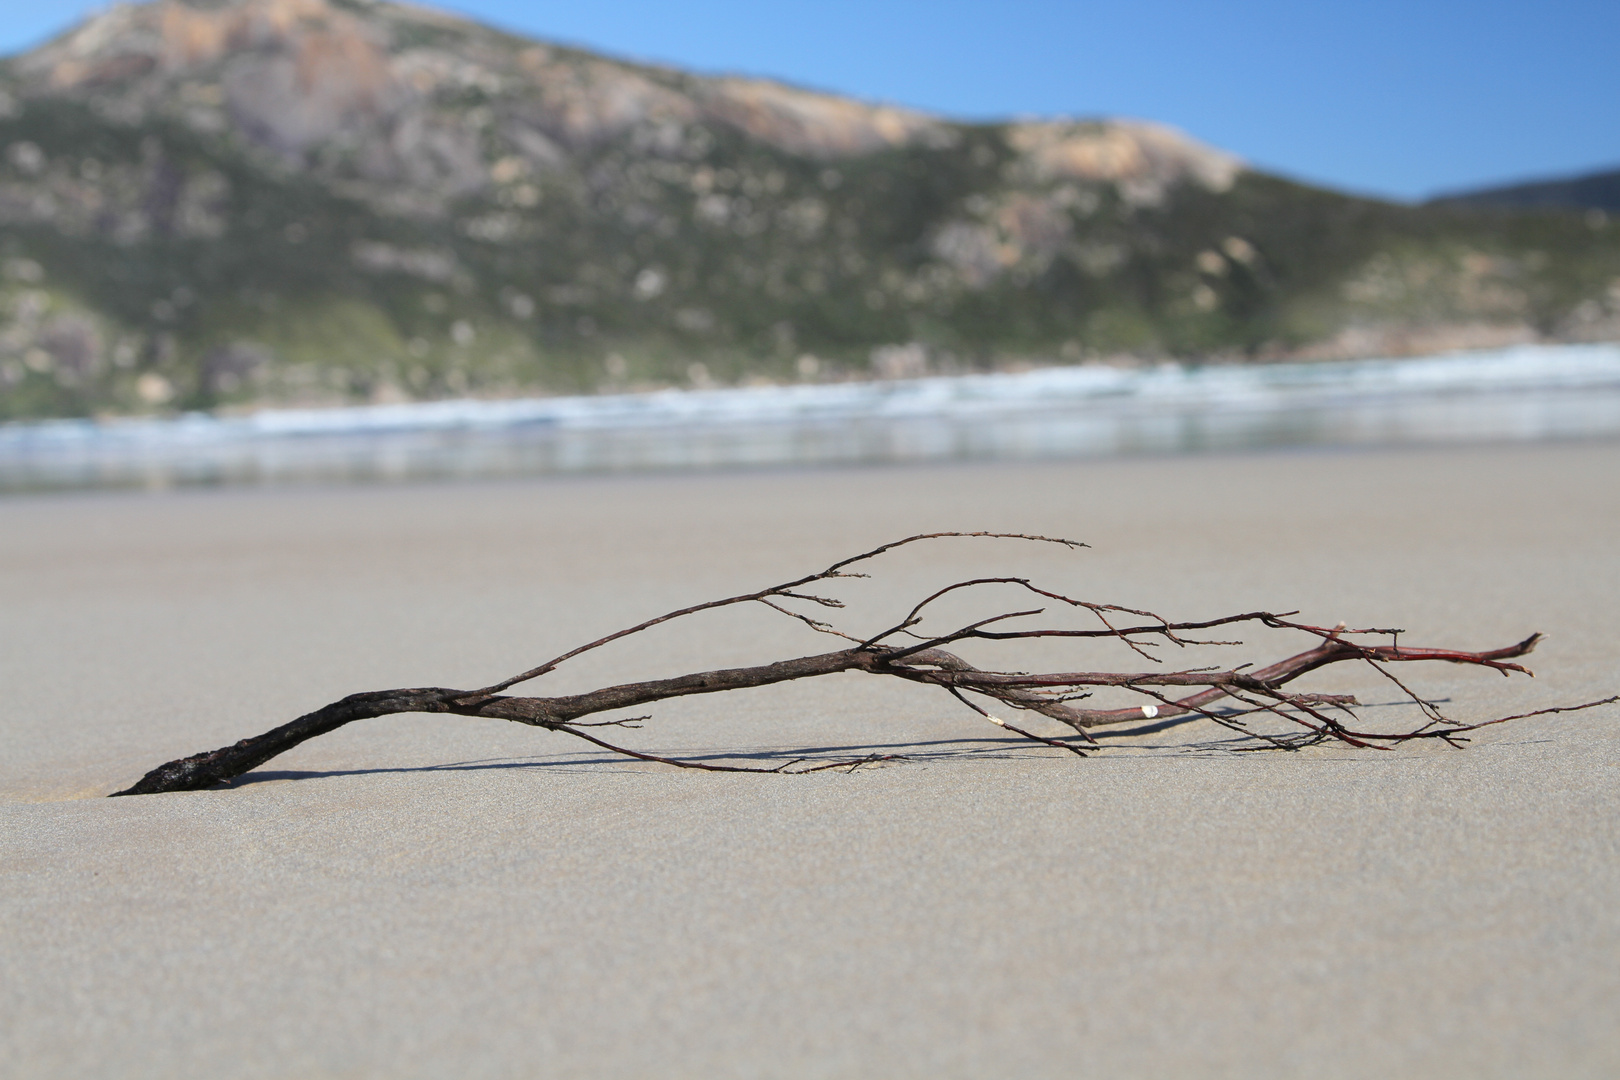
1523, 393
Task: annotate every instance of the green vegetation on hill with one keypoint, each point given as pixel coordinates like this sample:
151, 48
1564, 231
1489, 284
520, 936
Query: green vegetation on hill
301, 201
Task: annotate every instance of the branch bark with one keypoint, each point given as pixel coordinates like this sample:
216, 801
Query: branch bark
927, 661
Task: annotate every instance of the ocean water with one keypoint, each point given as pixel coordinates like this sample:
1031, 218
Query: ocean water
1528, 392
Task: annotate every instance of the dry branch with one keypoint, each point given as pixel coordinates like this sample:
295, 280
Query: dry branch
901, 651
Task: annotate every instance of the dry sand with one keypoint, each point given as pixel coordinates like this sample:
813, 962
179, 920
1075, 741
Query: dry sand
421, 896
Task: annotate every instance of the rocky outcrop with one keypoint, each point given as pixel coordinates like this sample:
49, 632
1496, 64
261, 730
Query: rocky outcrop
1145, 160
815, 125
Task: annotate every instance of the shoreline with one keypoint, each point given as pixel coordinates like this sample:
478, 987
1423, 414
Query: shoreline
1525, 394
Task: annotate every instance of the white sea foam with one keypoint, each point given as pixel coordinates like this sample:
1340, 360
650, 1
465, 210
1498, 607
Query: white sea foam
1528, 392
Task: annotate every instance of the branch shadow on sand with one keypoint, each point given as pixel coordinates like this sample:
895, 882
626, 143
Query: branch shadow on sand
989, 747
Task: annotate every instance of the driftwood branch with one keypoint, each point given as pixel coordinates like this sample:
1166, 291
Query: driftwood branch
903, 651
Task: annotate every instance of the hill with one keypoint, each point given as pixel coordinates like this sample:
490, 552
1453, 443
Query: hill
211, 204
1593, 191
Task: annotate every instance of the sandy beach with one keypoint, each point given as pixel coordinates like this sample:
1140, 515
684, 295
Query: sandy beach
425, 896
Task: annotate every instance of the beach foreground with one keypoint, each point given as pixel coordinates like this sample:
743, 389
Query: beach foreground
430, 896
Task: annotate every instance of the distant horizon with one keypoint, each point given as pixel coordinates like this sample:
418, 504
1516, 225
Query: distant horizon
1398, 102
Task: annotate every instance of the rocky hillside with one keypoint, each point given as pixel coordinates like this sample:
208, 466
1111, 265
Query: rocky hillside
336, 200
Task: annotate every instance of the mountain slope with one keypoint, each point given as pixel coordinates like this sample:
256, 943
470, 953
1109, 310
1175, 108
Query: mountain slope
1593, 191
323, 200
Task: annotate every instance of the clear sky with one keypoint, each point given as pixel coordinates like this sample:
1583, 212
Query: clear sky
1390, 98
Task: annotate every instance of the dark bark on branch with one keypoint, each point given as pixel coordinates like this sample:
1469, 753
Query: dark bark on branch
928, 662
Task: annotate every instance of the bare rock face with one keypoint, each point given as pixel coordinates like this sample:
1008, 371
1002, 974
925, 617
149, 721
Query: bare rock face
815, 125
290, 73
288, 77
309, 85
1145, 160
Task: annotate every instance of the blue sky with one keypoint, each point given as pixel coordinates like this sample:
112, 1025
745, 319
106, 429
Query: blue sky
1396, 99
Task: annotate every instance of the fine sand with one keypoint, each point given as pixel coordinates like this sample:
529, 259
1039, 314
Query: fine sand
427, 896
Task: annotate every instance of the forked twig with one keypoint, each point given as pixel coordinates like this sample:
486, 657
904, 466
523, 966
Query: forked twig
924, 659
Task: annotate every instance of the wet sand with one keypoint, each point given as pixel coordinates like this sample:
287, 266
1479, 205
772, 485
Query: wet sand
429, 896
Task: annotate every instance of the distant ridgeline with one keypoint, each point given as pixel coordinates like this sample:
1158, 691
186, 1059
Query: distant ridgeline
329, 200
1594, 191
